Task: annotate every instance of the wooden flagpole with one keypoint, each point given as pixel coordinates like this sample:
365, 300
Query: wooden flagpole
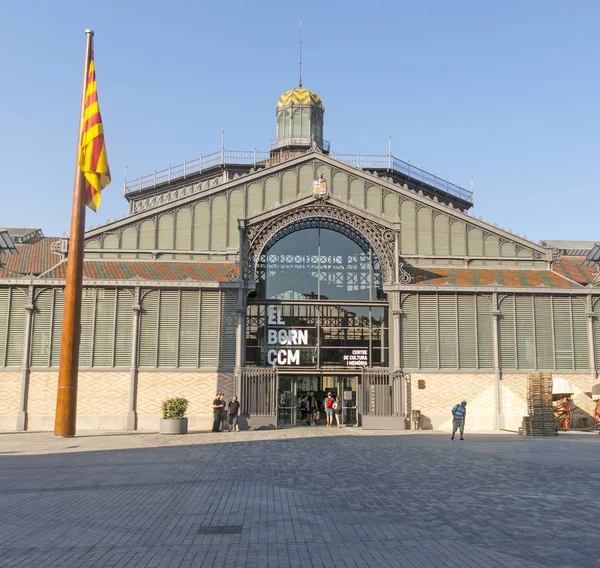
66, 401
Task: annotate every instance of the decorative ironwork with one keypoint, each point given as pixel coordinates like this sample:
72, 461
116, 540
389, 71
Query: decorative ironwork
255, 159
403, 276
365, 233
384, 392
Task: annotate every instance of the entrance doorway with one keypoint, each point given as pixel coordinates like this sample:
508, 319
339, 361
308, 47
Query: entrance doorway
293, 389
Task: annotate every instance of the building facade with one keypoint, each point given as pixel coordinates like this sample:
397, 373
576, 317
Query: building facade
272, 274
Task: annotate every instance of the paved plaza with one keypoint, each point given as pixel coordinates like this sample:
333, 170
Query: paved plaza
309, 497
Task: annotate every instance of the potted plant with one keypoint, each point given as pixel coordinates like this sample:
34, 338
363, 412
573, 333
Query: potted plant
173, 419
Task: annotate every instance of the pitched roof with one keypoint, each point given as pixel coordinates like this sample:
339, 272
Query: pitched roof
150, 270
435, 276
572, 267
22, 234
34, 257
570, 248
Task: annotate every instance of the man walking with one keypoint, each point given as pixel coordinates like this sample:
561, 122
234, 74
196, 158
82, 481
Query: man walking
459, 413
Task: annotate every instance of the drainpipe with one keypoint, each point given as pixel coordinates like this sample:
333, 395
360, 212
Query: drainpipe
499, 419
589, 312
25, 365
133, 369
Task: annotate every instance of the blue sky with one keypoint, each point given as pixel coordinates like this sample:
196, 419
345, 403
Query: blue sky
507, 92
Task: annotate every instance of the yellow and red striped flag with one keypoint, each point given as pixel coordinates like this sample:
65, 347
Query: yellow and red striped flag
92, 153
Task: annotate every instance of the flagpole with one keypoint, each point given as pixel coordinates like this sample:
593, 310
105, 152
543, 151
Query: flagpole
66, 401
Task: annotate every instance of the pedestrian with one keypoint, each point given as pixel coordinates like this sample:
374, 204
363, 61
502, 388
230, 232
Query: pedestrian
459, 413
217, 409
337, 410
328, 404
224, 421
312, 408
234, 412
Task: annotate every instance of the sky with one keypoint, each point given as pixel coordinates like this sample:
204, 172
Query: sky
506, 92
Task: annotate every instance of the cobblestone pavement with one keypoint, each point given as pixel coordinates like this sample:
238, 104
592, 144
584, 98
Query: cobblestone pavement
308, 497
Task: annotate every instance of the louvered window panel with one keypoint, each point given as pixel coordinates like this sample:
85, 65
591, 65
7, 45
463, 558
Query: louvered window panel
447, 307
16, 326
563, 330
104, 328
580, 335
57, 320
428, 331
123, 329
168, 328
4, 304
42, 329
209, 329
189, 333
485, 337
410, 333
148, 330
506, 332
544, 342
525, 332
228, 330
467, 332
88, 309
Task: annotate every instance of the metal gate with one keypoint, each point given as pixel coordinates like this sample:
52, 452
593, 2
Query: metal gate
385, 399
257, 387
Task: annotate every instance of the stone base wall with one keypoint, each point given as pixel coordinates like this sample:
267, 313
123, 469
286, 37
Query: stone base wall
443, 390
199, 388
10, 392
103, 398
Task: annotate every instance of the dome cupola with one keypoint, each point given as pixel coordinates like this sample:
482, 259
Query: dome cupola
299, 121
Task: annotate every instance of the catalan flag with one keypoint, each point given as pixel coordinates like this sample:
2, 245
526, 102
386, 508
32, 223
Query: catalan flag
92, 153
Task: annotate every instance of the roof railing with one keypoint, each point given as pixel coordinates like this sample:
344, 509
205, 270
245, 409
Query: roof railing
256, 158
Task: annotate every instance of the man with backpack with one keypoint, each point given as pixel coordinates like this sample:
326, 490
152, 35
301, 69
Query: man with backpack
328, 404
459, 413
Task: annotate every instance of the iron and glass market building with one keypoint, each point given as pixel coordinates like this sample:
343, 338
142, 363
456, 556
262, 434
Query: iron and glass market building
270, 274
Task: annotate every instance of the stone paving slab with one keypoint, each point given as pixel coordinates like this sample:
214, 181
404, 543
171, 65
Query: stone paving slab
307, 497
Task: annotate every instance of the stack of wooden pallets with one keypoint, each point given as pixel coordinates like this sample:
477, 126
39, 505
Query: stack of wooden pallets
540, 421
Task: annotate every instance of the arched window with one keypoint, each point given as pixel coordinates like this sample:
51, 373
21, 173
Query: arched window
319, 259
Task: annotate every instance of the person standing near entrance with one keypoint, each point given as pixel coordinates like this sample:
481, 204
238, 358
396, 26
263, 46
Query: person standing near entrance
312, 408
459, 413
218, 404
328, 404
234, 411
337, 410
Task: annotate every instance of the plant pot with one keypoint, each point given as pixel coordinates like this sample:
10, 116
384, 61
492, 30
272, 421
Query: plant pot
173, 426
